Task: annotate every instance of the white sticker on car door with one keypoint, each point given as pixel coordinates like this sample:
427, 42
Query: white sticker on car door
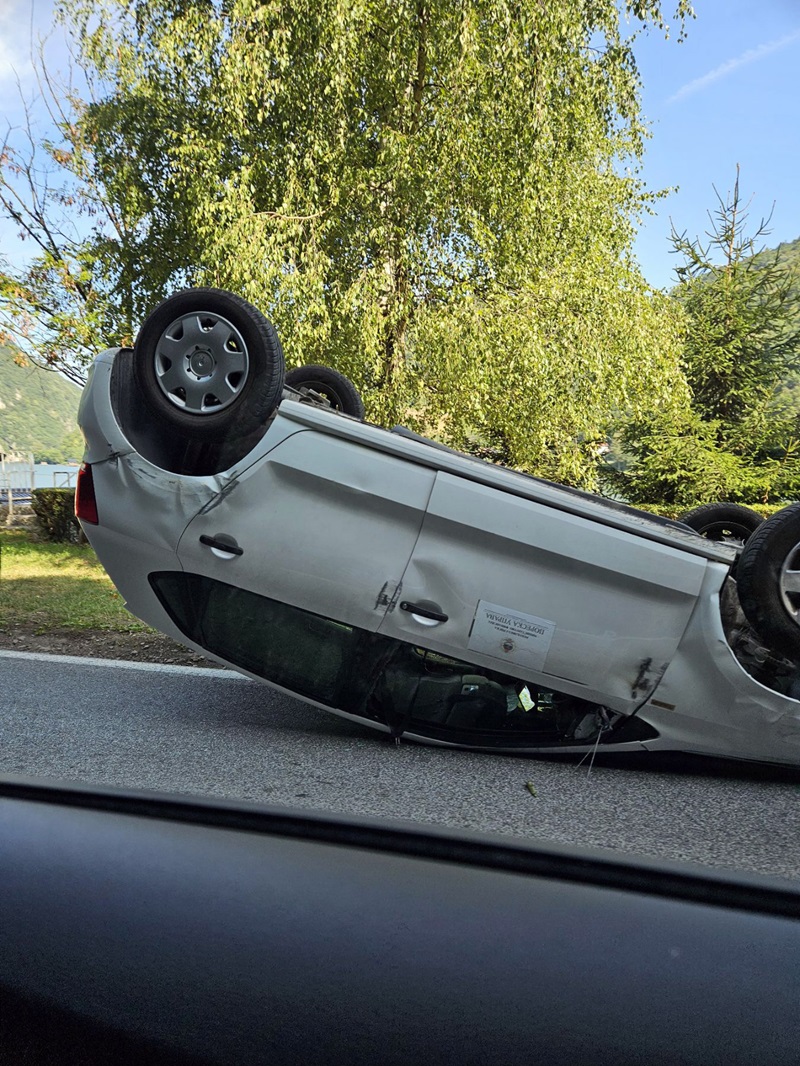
523, 639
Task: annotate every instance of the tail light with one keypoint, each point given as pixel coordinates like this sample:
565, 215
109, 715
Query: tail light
85, 503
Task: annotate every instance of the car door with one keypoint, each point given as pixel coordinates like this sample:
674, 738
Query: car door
511, 583
321, 523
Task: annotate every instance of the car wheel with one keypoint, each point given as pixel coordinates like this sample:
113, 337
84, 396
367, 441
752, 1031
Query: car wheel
727, 522
209, 364
339, 391
768, 580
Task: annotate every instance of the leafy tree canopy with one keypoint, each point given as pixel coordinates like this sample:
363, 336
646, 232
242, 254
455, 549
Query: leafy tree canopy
740, 437
431, 196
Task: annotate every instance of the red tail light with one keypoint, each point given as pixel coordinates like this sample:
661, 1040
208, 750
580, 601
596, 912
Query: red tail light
85, 503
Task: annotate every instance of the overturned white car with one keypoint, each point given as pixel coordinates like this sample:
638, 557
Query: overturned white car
254, 516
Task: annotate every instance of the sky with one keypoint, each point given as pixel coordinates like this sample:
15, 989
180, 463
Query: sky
728, 94
725, 96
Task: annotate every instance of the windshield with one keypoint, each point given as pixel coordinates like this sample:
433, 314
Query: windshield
420, 478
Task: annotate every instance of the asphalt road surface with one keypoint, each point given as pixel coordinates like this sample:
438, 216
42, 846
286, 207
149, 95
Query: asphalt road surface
214, 733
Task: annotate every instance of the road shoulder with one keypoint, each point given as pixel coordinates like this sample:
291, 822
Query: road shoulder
101, 644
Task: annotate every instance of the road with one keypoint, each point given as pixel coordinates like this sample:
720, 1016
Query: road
210, 732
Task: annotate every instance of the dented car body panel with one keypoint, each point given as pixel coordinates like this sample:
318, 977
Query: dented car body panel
424, 592
338, 523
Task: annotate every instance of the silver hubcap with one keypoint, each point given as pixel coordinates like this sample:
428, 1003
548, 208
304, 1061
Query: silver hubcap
201, 363
790, 584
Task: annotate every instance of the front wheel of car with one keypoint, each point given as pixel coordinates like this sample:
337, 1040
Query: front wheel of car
730, 523
334, 388
208, 364
768, 580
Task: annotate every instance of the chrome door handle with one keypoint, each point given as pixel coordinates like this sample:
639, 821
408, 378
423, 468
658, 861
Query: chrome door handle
423, 612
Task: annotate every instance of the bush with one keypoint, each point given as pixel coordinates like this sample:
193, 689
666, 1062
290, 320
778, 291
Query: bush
55, 512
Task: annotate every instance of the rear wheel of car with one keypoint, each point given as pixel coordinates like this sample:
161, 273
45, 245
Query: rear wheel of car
209, 364
728, 522
339, 391
768, 580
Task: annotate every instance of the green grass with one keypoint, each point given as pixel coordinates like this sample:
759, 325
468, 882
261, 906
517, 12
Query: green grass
51, 586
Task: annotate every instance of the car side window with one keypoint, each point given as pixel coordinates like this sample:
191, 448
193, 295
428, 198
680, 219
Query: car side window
382, 679
319, 658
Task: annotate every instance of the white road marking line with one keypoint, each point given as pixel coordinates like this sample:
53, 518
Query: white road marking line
125, 664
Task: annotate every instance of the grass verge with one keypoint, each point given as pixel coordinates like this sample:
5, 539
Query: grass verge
47, 586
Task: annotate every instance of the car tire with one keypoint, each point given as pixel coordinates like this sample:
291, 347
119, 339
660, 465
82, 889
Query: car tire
768, 581
730, 523
209, 364
339, 391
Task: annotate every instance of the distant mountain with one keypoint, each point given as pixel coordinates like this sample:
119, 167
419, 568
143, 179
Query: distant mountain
789, 250
789, 257
38, 412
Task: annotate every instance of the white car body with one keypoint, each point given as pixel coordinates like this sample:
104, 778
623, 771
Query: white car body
348, 522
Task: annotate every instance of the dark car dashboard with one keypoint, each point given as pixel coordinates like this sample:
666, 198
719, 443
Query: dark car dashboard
162, 929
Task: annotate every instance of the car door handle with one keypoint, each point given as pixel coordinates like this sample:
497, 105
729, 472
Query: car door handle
423, 612
221, 545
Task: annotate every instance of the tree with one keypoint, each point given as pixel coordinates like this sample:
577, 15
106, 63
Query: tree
96, 266
428, 195
743, 319
52, 309
740, 438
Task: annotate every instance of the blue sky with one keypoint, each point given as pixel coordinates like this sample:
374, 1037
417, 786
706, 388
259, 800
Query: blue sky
726, 95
